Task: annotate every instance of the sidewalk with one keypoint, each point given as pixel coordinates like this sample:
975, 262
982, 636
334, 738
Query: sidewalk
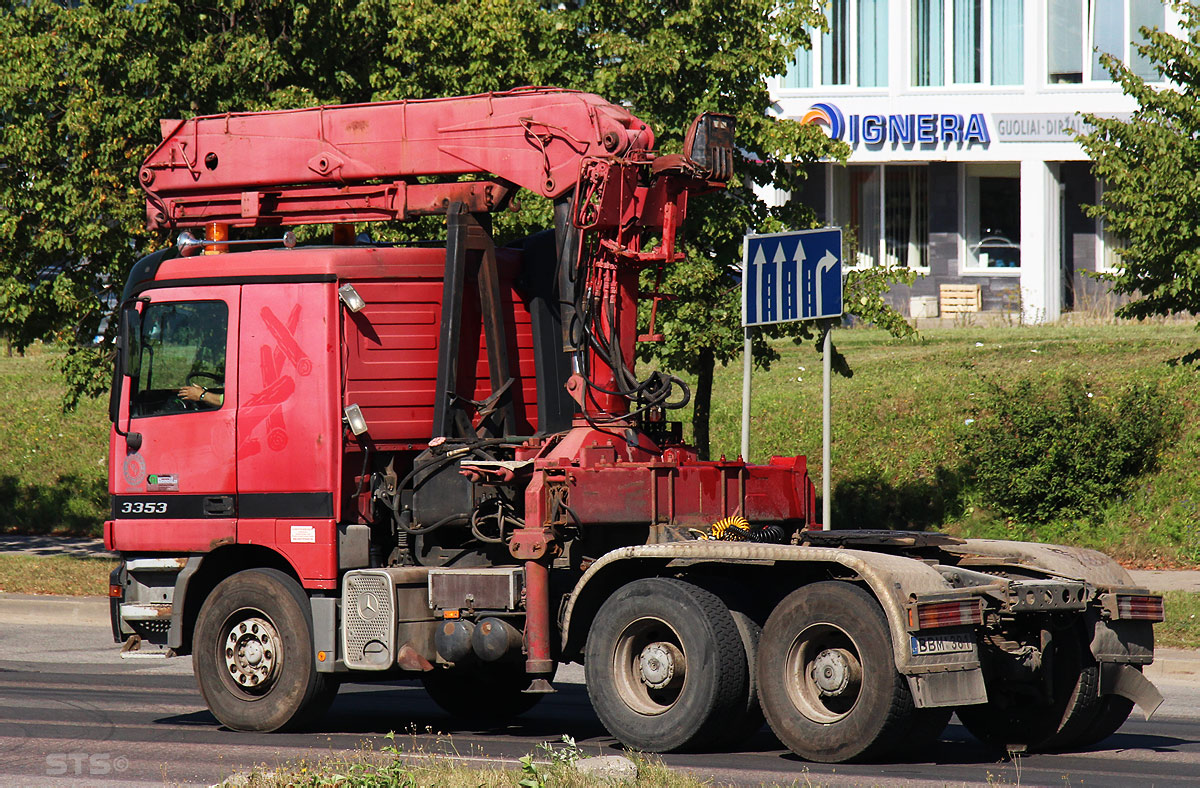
53, 545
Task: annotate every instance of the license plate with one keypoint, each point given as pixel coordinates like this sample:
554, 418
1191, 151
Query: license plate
944, 644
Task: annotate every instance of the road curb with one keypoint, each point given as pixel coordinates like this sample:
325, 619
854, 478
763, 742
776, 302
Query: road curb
1175, 664
39, 609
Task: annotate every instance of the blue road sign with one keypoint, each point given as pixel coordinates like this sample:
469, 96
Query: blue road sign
792, 276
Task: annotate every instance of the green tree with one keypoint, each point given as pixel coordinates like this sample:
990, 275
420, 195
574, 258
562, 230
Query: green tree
671, 60
1148, 165
81, 94
84, 87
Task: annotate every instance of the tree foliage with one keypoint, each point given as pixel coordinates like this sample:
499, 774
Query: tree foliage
84, 88
1149, 165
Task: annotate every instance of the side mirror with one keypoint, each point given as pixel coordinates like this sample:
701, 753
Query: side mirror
709, 145
131, 323
128, 316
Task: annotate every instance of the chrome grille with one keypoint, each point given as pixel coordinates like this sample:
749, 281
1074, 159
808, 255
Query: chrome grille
368, 615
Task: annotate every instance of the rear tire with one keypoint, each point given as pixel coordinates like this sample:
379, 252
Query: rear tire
665, 666
252, 653
748, 720
827, 677
1012, 718
1114, 710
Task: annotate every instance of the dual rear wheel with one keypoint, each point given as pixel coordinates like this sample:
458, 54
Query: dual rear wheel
669, 667
828, 681
666, 667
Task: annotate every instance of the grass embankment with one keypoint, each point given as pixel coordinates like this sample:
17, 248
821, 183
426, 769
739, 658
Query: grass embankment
53, 465
897, 461
1182, 627
896, 422
55, 574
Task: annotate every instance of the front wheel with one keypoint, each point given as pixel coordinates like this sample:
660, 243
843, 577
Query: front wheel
827, 678
252, 654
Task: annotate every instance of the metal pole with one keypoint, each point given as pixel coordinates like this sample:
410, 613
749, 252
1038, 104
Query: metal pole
826, 420
746, 364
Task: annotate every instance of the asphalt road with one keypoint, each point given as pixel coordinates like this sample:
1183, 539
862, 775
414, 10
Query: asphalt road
73, 713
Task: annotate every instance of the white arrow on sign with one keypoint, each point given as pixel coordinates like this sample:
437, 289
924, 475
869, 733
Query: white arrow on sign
757, 266
824, 264
799, 257
779, 261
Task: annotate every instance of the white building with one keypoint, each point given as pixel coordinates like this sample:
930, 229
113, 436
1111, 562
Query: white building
958, 113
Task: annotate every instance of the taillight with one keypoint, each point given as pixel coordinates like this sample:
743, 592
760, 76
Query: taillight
1140, 607
115, 591
931, 615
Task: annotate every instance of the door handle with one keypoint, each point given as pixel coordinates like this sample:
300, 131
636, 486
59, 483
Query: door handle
218, 506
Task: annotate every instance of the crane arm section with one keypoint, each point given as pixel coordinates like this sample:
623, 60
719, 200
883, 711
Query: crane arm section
362, 162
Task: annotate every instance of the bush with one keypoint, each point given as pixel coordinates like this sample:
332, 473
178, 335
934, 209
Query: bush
1034, 454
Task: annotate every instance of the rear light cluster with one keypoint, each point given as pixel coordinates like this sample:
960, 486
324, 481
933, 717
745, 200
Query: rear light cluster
1140, 607
931, 615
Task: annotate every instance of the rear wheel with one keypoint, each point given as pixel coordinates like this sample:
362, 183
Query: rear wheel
1114, 710
827, 678
666, 668
481, 694
747, 720
252, 654
1015, 717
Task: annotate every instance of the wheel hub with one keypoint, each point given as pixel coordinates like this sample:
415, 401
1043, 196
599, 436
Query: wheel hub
831, 671
660, 664
251, 652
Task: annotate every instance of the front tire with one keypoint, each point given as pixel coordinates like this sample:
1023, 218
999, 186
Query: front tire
827, 678
252, 654
665, 666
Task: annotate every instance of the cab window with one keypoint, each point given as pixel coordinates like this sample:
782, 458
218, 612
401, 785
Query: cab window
180, 344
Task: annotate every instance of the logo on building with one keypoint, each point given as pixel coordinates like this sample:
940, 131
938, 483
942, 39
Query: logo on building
828, 115
901, 129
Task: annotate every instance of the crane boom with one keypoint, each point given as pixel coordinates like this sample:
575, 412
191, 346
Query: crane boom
361, 162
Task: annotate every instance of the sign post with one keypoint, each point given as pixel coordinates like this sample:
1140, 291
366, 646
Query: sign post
787, 277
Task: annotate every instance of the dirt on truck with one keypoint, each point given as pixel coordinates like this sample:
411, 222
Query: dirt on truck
349, 461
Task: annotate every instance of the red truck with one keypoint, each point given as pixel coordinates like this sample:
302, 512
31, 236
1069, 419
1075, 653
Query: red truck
349, 461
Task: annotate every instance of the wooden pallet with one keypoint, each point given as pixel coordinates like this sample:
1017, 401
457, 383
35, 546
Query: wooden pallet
956, 299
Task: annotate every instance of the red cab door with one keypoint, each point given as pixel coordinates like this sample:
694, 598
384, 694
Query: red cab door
173, 481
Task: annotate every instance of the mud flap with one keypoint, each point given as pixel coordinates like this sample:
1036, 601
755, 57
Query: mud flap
953, 688
1128, 682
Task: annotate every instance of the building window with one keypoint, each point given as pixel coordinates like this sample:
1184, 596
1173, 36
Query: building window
992, 216
1008, 42
986, 45
1078, 31
887, 209
853, 53
967, 41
